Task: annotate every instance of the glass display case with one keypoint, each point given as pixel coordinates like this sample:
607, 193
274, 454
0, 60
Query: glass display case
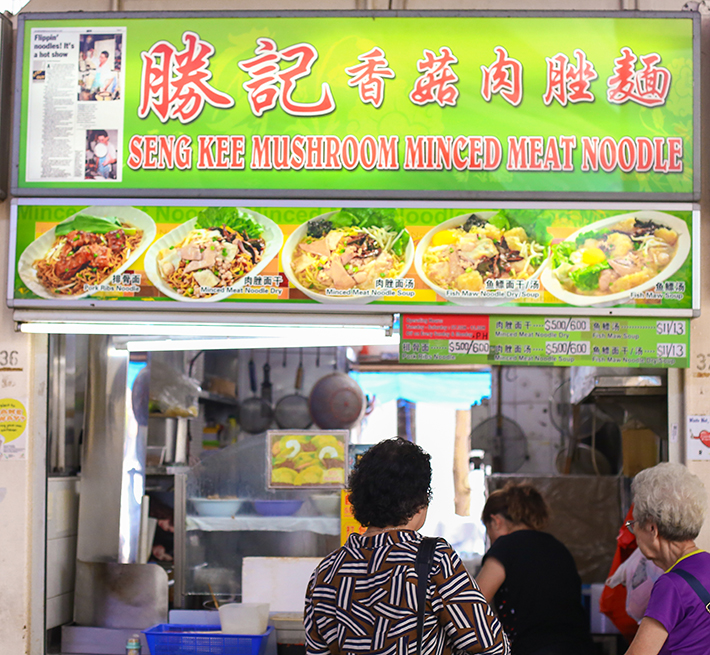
226, 512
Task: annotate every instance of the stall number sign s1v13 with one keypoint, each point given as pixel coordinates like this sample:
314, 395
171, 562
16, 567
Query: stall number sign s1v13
544, 341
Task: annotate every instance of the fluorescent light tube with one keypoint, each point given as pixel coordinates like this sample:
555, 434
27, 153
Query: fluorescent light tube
293, 338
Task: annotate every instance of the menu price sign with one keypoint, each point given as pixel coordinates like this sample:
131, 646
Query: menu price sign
545, 341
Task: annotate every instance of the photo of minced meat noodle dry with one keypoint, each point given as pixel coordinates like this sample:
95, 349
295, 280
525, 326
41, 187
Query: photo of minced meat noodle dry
614, 259
464, 257
224, 246
87, 256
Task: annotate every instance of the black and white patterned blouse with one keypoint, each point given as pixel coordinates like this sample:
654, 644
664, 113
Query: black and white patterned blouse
362, 598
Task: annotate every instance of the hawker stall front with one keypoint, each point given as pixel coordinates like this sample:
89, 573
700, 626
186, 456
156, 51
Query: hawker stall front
211, 209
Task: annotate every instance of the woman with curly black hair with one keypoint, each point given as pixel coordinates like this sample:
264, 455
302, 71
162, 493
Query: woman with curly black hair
362, 598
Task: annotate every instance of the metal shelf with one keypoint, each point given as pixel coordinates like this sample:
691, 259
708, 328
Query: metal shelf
252, 522
206, 396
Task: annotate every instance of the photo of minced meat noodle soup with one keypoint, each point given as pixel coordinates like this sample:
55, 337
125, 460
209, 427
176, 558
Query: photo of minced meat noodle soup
464, 257
224, 246
614, 259
350, 250
86, 251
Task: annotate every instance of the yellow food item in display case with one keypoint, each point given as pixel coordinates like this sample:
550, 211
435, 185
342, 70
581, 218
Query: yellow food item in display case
307, 459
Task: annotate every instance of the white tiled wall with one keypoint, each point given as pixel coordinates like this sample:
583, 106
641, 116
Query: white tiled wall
526, 393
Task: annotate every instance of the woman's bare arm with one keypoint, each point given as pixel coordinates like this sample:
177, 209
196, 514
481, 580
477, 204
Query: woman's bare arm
490, 578
649, 639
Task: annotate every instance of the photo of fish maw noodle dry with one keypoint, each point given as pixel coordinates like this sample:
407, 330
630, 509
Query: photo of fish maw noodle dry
464, 257
225, 245
351, 249
86, 251
614, 259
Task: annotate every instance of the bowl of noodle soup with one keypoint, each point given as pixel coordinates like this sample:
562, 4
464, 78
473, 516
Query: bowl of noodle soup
301, 269
457, 257
112, 255
624, 255
189, 234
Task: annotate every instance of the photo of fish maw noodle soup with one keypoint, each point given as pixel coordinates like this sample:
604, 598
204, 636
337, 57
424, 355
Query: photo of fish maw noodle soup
350, 250
614, 259
86, 251
225, 245
464, 257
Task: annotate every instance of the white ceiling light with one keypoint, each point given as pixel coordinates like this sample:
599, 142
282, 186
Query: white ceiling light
141, 332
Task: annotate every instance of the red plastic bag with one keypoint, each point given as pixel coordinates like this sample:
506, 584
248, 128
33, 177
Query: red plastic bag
612, 602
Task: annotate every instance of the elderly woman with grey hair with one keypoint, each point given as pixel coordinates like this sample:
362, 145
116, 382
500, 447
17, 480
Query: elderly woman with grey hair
669, 509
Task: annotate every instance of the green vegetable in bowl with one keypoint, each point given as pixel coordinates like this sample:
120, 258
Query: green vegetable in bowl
93, 224
229, 217
587, 279
561, 252
386, 220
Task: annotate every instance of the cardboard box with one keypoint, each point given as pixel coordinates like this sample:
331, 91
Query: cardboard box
639, 450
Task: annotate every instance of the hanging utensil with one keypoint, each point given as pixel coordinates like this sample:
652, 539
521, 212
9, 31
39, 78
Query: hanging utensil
292, 411
266, 386
255, 413
336, 402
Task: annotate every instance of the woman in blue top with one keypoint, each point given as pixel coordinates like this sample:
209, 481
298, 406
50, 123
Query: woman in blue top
669, 510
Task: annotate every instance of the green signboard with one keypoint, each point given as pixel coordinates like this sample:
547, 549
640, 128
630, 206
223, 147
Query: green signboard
544, 341
273, 257
409, 106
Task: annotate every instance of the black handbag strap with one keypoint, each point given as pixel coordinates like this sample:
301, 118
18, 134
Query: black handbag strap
422, 566
696, 586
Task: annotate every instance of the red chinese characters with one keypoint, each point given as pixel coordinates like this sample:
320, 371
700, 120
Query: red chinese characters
504, 76
437, 82
567, 82
648, 87
369, 76
176, 84
270, 84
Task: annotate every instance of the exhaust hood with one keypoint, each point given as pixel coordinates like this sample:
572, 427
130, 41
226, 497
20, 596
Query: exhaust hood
589, 382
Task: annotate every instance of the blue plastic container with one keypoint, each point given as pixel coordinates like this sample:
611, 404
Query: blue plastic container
169, 639
277, 507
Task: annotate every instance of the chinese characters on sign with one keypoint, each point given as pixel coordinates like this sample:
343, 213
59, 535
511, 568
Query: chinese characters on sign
567, 82
271, 84
175, 84
369, 76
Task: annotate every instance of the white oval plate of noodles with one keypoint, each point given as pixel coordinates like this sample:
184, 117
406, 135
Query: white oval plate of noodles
41, 246
450, 295
288, 254
662, 220
273, 240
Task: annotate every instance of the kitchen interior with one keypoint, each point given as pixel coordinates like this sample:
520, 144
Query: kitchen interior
159, 498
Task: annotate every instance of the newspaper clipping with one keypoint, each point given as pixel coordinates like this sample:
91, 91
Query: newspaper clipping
76, 96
